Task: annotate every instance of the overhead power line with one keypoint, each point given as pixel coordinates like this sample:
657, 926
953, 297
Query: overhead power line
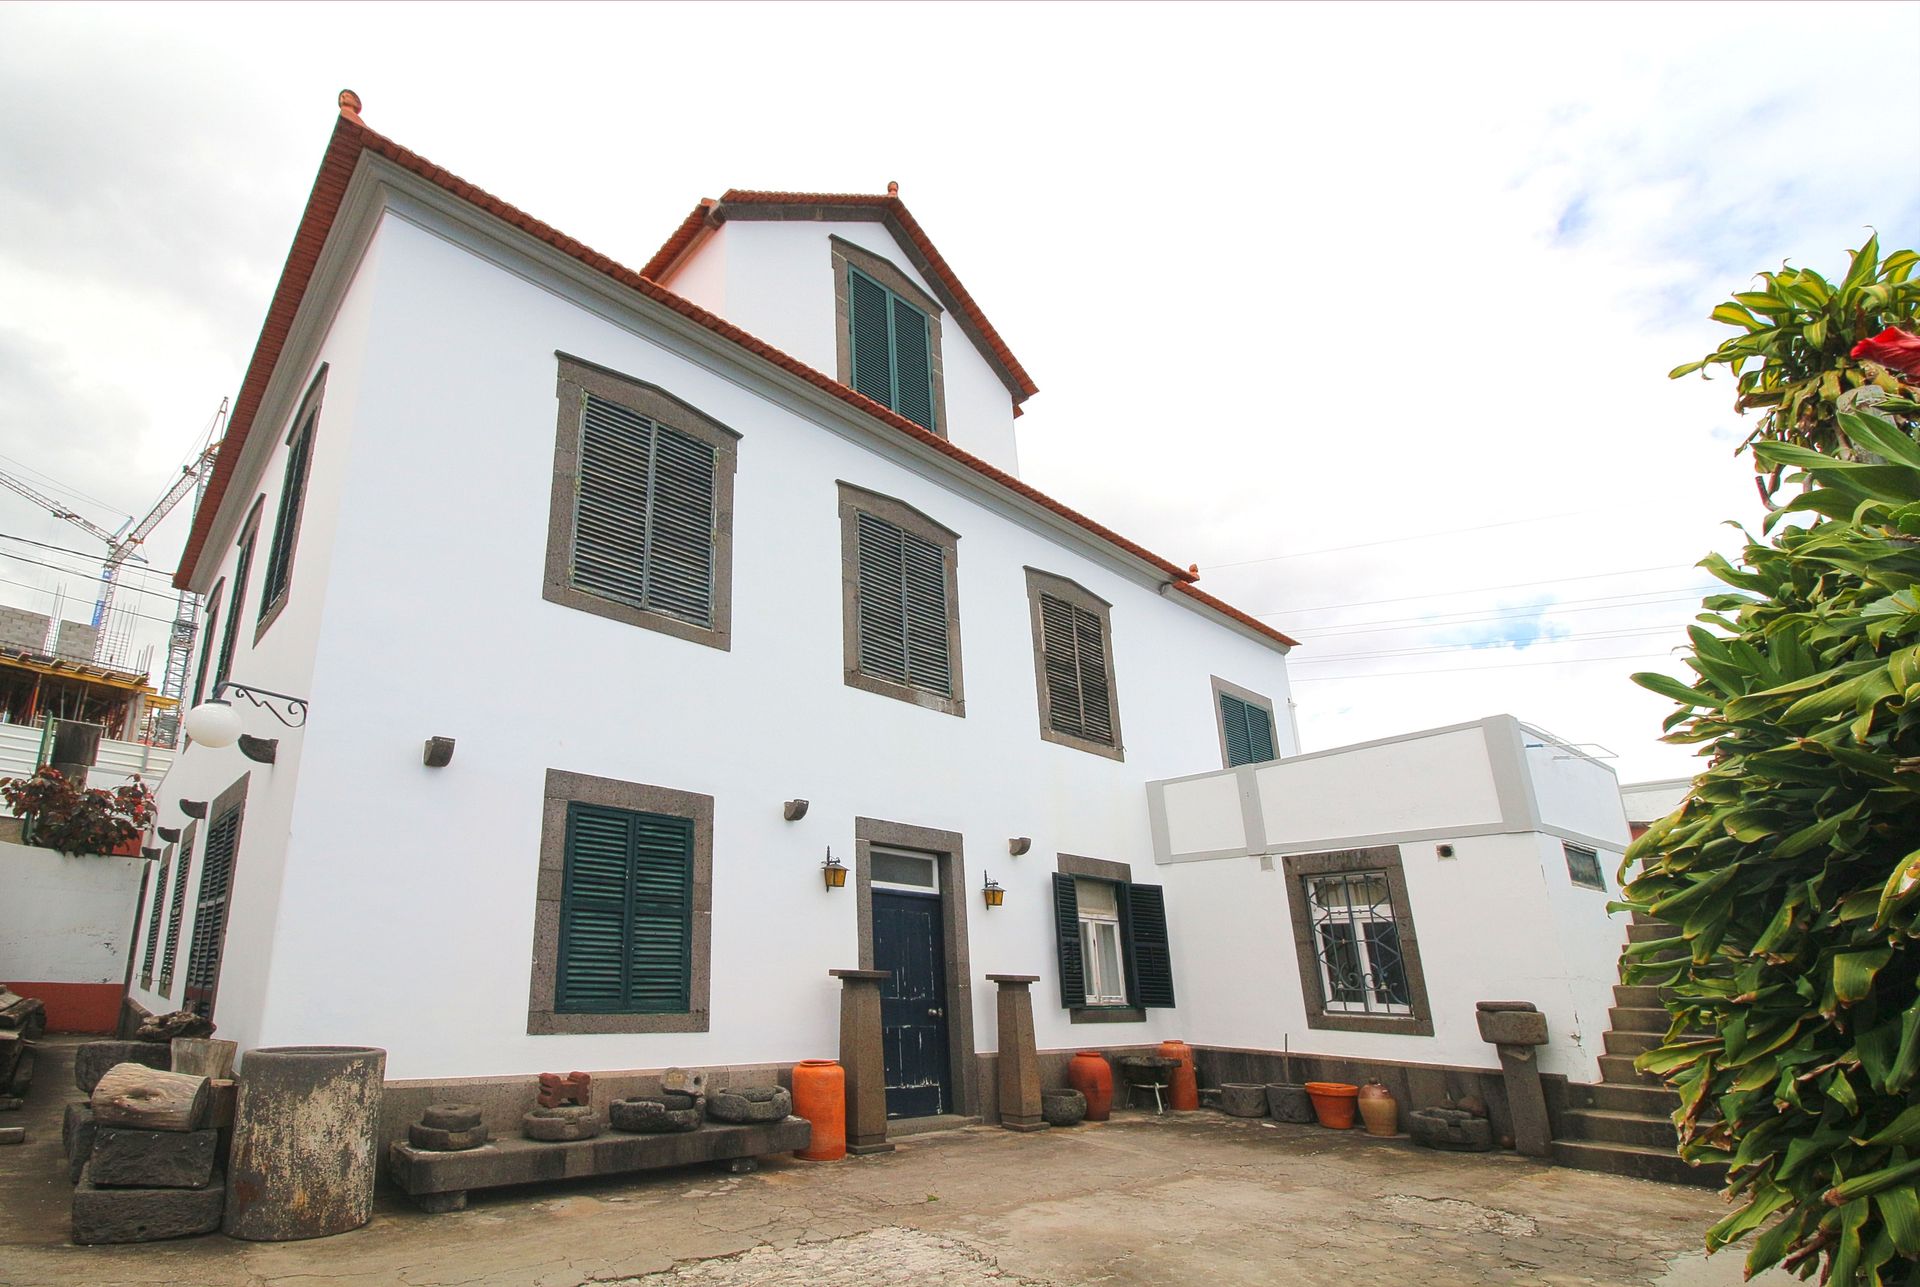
1559, 607
1396, 540
26, 585
1484, 645
1484, 589
132, 589
1450, 670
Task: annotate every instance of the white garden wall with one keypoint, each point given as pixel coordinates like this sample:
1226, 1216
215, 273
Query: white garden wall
63, 931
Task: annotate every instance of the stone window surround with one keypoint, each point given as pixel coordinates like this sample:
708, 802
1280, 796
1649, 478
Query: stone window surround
564, 788
1117, 873
855, 500
947, 851
1251, 698
209, 643
1380, 858
577, 377
1059, 587
307, 418
234, 797
847, 254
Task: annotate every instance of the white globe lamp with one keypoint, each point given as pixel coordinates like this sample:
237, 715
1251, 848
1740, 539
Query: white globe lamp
214, 723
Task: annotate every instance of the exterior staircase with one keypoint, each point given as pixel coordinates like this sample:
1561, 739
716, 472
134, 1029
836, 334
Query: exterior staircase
1624, 1124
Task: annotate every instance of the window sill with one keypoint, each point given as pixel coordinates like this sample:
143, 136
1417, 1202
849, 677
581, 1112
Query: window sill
1112, 752
547, 1023
921, 697
1107, 1014
567, 595
1406, 1025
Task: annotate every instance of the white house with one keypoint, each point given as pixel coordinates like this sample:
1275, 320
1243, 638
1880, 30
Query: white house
661, 552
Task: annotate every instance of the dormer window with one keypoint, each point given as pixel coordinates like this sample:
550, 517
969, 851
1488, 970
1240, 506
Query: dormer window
889, 336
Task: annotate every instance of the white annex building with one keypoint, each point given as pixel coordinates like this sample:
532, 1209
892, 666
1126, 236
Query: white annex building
716, 568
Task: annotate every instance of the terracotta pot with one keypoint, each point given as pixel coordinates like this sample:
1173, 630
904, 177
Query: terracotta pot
1088, 1073
1333, 1103
1379, 1109
820, 1096
1183, 1087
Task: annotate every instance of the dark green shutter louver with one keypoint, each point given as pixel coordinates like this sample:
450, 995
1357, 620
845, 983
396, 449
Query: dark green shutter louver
236, 603
892, 347
1146, 913
293, 493
210, 911
1079, 690
1249, 731
176, 914
1066, 920
902, 607
153, 915
626, 913
644, 513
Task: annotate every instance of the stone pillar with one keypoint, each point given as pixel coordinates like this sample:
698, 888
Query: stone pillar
1515, 1028
1018, 1061
864, 1060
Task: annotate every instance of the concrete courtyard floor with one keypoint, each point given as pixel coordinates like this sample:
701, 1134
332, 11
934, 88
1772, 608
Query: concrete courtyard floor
1181, 1199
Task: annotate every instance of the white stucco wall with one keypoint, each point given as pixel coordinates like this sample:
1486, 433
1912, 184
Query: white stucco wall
1646, 802
774, 279
1575, 793
64, 918
402, 915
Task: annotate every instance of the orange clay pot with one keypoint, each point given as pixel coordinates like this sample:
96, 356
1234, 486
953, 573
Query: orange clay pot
1183, 1086
820, 1096
1333, 1103
1088, 1073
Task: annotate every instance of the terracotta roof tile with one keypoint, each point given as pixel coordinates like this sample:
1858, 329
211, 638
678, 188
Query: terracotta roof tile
351, 137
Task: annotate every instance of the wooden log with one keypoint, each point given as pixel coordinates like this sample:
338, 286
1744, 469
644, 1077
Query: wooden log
204, 1056
138, 1096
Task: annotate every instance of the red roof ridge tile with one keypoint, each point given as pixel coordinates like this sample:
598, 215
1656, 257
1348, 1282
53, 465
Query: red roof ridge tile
351, 136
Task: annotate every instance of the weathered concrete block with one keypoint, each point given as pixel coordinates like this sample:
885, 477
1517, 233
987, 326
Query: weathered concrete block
133, 1159
91, 1061
76, 1137
144, 1215
750, 1104
435, 1139
1450, 1129
1511, 1027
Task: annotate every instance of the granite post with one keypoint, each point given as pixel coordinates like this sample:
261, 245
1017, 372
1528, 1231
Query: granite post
1515, 1028
1019, 1060
864, 1060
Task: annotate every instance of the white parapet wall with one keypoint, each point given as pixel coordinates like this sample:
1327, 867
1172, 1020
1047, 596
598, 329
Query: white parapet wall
1477, 819
65, 922
117, 764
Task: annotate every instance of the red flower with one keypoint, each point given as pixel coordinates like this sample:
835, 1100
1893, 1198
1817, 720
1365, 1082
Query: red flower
1894, 349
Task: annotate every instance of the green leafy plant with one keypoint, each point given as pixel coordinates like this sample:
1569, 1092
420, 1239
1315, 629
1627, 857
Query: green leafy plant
79, 820
1793, 359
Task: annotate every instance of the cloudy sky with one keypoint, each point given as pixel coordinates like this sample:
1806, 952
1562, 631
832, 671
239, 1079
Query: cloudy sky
1366, 309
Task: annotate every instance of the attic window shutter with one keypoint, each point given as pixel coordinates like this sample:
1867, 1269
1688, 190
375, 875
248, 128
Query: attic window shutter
892, 347
293, 495
1152, 958
644, 513
872, 324
1066, 921
1079, 690
626, 913
1249, 731
904, 630
913, 364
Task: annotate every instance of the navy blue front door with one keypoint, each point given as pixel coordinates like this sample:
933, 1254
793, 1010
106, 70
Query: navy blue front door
908, 945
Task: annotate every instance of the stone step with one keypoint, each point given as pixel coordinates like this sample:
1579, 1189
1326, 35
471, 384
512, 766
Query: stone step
1619, 1070
1647, 1101
1641, 918
1638, 996
1653, 1019
1642, 1163
1631, 1043
1648, 933
1611, 1126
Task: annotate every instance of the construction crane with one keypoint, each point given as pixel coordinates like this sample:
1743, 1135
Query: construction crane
124, 546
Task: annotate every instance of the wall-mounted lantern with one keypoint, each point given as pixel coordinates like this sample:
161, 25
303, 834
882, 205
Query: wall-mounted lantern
1019, 845
216, 723
833, 871
993, 893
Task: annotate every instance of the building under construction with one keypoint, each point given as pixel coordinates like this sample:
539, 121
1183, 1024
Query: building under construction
66, 683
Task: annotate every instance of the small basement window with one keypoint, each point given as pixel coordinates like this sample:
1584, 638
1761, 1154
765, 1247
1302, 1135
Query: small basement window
1583, 867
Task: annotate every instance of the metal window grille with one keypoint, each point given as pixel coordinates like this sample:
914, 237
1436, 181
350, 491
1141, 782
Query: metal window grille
1583, 867
1356, 938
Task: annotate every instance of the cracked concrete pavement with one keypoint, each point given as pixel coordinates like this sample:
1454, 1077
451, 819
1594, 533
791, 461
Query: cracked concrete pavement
1185, 1198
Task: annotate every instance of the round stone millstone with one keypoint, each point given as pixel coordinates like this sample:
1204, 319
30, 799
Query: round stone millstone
671, 1112
558, 1125
1450, 1130
451, 1117
750, 1104
435, 1140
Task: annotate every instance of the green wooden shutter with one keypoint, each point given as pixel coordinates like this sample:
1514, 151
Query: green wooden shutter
293, 493
1096, 692
209, 634
1066, 920
912, 364
236, 602
153, 916
176, 913
1060, 656
870, 321
1152, 963
644, 513
210, 911
1260, 734
626, 916
1249, 730
902, 606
